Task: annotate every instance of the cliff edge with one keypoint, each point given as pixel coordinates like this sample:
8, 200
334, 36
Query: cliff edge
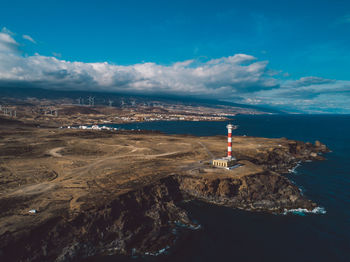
106, 193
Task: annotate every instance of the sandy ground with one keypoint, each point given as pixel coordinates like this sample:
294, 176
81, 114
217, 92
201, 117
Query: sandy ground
55, 170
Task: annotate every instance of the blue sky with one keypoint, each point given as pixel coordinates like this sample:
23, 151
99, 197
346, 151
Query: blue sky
293, 55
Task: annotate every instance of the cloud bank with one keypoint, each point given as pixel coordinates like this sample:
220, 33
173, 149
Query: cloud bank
238, 78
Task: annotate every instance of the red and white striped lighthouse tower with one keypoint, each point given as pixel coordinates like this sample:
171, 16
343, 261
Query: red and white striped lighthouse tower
229, 140
230, 161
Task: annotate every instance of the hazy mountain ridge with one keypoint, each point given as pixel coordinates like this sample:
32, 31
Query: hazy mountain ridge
8, 94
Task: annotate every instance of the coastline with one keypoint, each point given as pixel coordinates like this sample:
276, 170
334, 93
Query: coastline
140, 219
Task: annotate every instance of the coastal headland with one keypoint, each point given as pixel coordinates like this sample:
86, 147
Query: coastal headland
70, 194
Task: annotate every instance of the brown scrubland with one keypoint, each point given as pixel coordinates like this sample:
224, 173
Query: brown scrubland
114, 192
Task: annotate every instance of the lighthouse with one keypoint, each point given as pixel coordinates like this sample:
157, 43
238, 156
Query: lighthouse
229, 161
229, 140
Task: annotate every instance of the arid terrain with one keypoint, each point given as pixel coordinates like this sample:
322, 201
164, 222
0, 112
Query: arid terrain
103, 192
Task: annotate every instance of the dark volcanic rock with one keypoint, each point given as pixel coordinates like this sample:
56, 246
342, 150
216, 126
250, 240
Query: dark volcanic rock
137, 221
284, 158
261, 192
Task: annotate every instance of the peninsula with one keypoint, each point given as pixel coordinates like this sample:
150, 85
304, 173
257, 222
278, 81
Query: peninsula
69, 194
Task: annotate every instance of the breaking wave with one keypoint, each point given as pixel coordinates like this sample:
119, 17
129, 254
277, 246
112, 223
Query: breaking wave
189, 226
294, 169
303, 211
159, 252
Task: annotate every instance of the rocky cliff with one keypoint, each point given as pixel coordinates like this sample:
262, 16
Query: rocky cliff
142, 220
138, 221
284, 157
266, 191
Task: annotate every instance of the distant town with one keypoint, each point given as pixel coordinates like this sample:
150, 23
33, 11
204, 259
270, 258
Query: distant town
89, 111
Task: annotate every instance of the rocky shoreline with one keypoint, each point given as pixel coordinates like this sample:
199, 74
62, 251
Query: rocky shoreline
143, 220
268, 192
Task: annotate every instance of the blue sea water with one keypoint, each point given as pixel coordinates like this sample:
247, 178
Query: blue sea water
232, 235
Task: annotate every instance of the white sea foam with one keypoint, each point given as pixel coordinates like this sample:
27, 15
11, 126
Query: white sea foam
304, 211
159, 252
302, 190
189, 226
294, 169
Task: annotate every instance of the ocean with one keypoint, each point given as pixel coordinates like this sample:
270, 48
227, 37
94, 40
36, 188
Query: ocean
233, 235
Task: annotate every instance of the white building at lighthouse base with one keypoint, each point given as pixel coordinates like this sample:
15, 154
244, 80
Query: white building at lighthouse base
225, 162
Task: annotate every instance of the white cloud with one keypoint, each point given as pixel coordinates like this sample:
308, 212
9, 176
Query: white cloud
223, 77
7, 31
239, 78
309, 94
7, 43
310, 81
59, 55
29, 38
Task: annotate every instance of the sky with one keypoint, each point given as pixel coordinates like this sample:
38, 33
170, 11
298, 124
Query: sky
289, 55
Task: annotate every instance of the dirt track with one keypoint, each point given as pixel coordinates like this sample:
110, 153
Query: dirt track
55, 170
79, 180
54, 152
